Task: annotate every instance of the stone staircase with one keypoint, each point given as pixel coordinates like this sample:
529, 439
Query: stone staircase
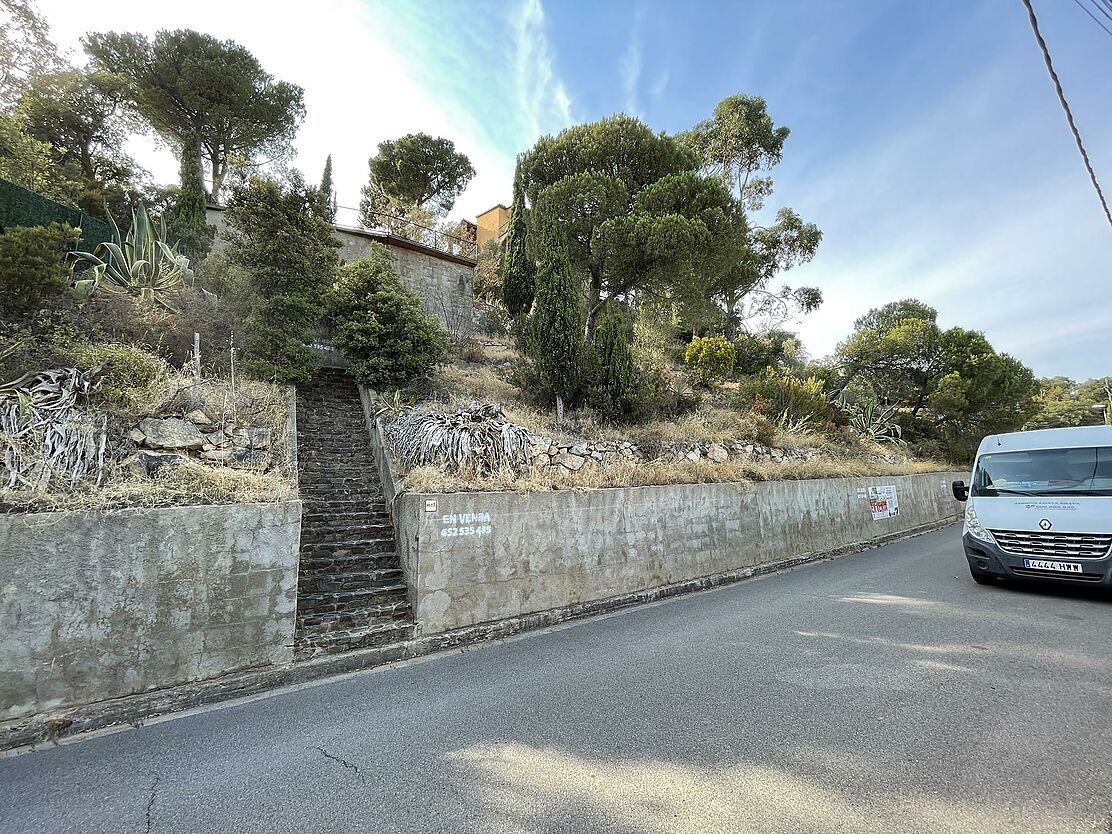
351, 592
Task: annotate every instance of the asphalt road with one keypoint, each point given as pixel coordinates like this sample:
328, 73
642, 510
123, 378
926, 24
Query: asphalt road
882, 692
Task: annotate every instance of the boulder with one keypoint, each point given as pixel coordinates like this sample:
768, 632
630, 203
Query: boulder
146, 464
251, 437
569, 461
137, 437
171, 433
718, 453
199, 418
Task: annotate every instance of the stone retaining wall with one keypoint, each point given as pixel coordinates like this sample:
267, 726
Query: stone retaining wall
104, 605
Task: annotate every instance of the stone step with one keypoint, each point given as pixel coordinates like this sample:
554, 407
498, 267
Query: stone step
341, 580
347, 563
371, 513
346, 640
351, 600
341, 530
330, 550
319, 622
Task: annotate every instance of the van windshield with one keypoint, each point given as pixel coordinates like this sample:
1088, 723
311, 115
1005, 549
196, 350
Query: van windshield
1086, 471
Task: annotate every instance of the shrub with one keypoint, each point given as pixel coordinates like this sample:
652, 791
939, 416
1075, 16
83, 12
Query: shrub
792, 404
130, 373
33, 265
380, 325
614, 394
709, 358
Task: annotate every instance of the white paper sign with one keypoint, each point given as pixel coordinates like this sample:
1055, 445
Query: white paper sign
883, 502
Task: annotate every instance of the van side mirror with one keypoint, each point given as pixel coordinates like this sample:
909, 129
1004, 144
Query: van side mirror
961, 491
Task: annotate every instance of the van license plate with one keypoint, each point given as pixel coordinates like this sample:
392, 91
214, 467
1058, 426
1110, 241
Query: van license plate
1061, 567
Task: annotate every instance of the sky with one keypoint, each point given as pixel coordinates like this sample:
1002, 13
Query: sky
926, 138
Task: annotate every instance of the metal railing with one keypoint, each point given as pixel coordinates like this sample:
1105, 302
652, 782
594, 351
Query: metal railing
403, 227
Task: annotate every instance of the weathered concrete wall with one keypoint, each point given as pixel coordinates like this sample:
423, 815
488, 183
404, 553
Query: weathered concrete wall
97, 606
478, 557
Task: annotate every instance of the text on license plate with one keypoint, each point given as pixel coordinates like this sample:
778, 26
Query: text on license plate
1040, 564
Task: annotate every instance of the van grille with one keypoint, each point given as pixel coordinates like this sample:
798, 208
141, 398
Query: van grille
1074, 545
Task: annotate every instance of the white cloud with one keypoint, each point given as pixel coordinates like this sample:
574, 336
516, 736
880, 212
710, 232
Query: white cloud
631, 66
542, 97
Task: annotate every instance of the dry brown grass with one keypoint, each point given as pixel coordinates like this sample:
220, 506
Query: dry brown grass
428, 479
189, 483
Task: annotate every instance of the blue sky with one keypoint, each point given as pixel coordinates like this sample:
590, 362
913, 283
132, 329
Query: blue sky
927, 141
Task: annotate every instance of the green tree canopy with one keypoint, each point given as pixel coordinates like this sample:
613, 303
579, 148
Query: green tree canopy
25, 48
950, 384
1062, 403
209, 98
634, 212
82, 115
737, 144
418, 170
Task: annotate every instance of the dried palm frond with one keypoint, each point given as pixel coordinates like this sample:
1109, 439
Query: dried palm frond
477, 439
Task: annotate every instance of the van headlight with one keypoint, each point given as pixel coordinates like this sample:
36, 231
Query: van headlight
974, 527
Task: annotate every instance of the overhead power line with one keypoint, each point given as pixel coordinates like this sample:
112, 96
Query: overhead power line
1096, 19
1066, 107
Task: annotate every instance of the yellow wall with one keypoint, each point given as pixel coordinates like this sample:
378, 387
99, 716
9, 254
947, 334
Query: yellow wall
490, 222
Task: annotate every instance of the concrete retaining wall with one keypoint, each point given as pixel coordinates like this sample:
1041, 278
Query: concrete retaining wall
479, 557
102, 605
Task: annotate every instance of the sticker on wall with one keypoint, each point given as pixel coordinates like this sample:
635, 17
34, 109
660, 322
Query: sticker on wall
861, 492
884, 502
944, 485
430, 505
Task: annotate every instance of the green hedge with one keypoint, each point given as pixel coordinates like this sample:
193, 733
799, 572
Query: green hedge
20, 207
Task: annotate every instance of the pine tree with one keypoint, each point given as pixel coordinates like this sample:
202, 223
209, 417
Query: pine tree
518, 269
556, 329
615, 392
327, 198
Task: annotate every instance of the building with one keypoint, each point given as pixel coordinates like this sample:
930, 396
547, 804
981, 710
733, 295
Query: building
492, 224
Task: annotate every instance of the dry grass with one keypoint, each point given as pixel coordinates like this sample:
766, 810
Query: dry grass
428, 479
189, 483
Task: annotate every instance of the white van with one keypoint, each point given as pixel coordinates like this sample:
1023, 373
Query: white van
1040, 506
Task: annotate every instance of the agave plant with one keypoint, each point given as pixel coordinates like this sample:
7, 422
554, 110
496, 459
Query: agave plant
478, 438
138, 264
874, 421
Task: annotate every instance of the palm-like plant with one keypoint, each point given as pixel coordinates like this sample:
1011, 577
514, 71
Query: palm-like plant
139, 264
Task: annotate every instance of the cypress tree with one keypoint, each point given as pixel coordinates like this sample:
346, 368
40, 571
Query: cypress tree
185, 220
615, 391
327, 199
518, 270
556, 329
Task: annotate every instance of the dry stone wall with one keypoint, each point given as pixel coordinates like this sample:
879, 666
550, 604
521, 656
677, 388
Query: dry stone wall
574, 455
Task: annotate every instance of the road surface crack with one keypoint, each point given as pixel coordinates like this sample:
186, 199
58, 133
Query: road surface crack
150, 802
344, 762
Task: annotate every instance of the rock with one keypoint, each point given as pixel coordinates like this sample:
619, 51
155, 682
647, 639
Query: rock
218, 455
718, 453
248, 459
171, 433
252, 437
693, 455
137, 437
144, 464
198, 417
579, 448
569, 461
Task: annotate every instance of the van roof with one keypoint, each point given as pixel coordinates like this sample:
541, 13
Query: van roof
1022, 441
